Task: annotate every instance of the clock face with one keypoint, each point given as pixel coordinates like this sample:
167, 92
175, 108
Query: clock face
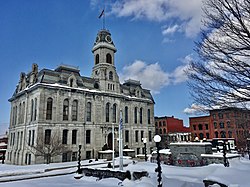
97, 39
108, 39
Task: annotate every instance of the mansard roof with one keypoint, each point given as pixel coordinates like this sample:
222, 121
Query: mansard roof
61, 77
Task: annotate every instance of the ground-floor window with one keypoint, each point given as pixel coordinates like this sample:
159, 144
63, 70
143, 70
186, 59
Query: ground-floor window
88, 154
74, 156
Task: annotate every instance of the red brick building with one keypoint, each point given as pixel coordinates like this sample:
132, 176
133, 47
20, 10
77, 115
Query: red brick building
171, 129
223, 123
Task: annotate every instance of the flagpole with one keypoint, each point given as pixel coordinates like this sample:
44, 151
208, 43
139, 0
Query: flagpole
120, 142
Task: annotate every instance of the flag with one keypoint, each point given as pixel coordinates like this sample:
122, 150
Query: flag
102, 13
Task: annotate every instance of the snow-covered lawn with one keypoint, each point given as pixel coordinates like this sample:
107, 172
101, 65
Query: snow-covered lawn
237, 175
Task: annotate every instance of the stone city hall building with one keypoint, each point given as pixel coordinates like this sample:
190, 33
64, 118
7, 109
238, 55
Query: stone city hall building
79, 110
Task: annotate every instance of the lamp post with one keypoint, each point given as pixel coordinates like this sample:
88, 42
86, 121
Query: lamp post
157, 140
79, 171
145, 147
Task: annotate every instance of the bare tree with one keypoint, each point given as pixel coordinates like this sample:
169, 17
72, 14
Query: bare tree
221, 75
49, 146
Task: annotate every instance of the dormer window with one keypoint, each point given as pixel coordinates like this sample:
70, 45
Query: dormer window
71, 82
109, 58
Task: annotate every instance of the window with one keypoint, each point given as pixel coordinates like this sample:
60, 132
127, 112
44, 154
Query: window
88, 111
200, 126
71, 81
206, 126
31, 110
97, 59
142, 135
223, 134
220, 116
214, 116
207, 135
29, 140
23, 112
49, 109
88, 136
74, 110
35, 112
47, 136
114, 113
160, 131
136, 136
164, 123
135, 115
107, 112
194, 127
126, 114
64, 157
216, 135
230, 134
33, 137
138, 150
109, 58
126, 136
88, 154
215, 125
65, 136
74, 156
65, 109
148, 116
156, 124
150, 136
110, 75
201, 136
160, 124
221, 125
228, 124
74, 136
140, 115
19, 115
164, 131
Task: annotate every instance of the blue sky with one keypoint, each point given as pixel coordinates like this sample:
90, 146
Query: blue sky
154, 41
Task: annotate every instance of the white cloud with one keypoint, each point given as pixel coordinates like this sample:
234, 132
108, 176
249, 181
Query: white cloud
188, 15
179, 75
170, 30
151, 76
195, 109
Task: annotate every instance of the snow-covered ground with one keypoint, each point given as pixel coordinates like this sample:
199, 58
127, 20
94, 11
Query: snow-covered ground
237, 175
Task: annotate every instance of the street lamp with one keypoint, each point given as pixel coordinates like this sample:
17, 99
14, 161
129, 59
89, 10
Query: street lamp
145, 147
157, 140
79, 171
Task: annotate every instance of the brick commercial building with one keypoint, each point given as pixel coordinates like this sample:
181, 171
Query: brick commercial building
79, 110
223, 123
171, 129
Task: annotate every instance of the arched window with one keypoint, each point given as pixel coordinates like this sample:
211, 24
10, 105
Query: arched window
126, 114
223, 134
97, 59
148, 116
65, 109
164, 131
201, 136
74, 110
135, 115
107, 112
114, 113
49, 109
230, 134
71, 81
109, 58
110, 75
140, 115
88, 111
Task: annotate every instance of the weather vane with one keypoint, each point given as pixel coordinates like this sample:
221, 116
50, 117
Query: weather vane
102, 15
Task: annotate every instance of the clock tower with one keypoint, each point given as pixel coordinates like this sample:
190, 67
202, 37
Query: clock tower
104, 70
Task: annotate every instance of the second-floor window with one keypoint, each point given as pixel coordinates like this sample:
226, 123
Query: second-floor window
65, 109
